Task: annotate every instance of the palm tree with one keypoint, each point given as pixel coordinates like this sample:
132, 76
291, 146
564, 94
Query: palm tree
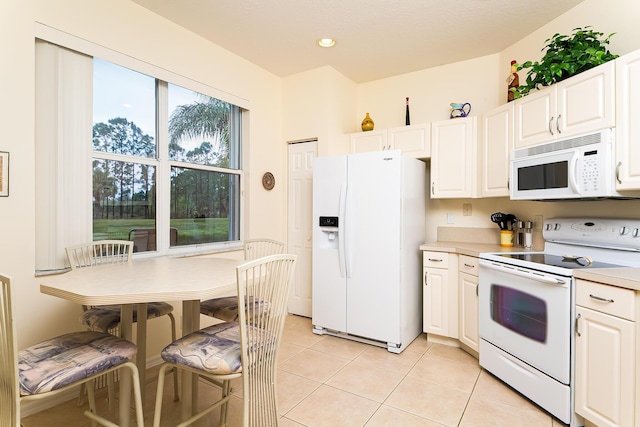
208, 121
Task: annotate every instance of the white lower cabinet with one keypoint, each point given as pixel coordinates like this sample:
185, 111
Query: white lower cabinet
605, 392
440, 294
468, 290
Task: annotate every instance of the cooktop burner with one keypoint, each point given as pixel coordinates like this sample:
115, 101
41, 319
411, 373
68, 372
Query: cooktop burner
570, 261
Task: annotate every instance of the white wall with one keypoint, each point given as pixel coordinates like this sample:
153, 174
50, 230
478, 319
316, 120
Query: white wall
125, 27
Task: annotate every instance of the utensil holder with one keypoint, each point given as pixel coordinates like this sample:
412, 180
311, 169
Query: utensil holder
506, 238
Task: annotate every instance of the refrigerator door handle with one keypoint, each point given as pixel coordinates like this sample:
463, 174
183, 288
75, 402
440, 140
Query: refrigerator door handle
342, 253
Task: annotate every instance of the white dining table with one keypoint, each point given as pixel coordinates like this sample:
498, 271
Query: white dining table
187, 279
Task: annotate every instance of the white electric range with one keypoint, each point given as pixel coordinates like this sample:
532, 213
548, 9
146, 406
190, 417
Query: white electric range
527, 305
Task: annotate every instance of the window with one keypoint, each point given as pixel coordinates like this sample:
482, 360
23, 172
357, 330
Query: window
134, 152
203, 168
203, 163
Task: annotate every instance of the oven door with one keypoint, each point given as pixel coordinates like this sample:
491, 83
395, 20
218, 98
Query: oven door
527, 314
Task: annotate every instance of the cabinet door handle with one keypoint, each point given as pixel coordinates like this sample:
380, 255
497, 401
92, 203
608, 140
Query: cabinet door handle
469, 265
550, 130
432, 186
618, 167
435, 259
597, 298
425, 278
577, 323
558, 124
477, 286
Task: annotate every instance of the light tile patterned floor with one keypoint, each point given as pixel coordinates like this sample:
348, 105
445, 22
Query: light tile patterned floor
328, 381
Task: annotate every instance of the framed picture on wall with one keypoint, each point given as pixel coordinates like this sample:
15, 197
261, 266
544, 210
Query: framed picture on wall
4, 174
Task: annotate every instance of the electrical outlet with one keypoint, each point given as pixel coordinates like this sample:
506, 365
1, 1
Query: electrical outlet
451, 218
466, 209
538, 222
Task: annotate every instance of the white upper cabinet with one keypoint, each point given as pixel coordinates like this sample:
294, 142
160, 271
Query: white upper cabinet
453, 158
413, 140
628, 125
496, 146
581, 104
373, 140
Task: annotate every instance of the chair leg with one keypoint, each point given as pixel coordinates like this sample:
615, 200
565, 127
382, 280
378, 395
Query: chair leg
91, 393
226, 390
157, 413
176, 394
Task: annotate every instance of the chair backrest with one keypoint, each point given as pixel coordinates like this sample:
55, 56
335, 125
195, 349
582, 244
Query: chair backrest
265, 282
99, 252
9, 388
258, 248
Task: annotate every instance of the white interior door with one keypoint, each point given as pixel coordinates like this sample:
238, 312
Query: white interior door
299, 230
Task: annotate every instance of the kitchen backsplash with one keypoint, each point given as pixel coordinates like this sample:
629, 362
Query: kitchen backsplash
481, 235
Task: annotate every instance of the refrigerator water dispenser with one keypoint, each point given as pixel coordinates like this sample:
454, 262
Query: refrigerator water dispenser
329, 227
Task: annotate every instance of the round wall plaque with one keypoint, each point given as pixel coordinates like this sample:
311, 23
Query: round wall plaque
268, 181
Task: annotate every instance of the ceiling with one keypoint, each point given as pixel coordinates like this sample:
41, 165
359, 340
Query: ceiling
375, 38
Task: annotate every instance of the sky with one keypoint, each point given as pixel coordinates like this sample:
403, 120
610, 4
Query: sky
121, 92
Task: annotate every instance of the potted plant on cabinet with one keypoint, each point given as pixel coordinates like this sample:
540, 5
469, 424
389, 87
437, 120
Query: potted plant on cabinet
565, 56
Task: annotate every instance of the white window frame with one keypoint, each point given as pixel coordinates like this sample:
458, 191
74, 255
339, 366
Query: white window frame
62, 217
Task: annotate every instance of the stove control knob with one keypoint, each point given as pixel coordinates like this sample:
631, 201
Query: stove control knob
636, 232
623, 230
556, 227
548, 227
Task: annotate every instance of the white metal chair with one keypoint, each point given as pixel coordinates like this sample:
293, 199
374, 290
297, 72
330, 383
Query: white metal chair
246, 348
106, 318
226, 308
56, 365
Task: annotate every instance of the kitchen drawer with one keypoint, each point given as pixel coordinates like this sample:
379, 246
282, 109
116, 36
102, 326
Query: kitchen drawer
434, 259
468, 264
611, 300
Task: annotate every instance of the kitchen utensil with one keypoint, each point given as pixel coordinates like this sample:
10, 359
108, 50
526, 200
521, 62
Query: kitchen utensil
510, 221
498, 218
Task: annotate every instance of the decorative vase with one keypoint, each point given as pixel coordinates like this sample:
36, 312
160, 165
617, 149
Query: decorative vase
367, 123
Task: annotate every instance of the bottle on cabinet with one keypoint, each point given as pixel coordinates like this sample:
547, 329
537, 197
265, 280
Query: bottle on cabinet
407, 120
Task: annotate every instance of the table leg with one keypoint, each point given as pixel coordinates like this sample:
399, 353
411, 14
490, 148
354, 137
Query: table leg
190, 323
141, 358
126, 319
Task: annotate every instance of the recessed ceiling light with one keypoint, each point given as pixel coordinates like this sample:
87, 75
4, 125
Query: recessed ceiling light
326, 42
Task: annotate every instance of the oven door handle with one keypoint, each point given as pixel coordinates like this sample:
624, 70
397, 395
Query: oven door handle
529, 274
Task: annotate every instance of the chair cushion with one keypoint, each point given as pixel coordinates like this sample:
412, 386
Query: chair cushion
215, 349
64, 360
226, 308
105, 317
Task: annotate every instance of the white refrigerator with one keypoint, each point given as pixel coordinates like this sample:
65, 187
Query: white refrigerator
368, 224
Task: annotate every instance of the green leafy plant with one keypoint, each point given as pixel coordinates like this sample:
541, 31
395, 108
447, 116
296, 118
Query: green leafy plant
566, 55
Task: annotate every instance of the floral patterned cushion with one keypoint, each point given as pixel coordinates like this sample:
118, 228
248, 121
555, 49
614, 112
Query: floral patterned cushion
226, 308
215, 349
60, 361
105, 317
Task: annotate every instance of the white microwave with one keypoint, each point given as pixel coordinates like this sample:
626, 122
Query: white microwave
576, 168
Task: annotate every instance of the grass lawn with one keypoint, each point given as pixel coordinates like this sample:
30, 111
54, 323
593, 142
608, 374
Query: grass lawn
190, 231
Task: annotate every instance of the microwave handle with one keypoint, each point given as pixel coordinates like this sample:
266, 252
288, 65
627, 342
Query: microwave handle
573, 173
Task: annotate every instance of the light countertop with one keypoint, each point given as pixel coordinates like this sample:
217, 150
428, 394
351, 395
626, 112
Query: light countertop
464, 248
622, 277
